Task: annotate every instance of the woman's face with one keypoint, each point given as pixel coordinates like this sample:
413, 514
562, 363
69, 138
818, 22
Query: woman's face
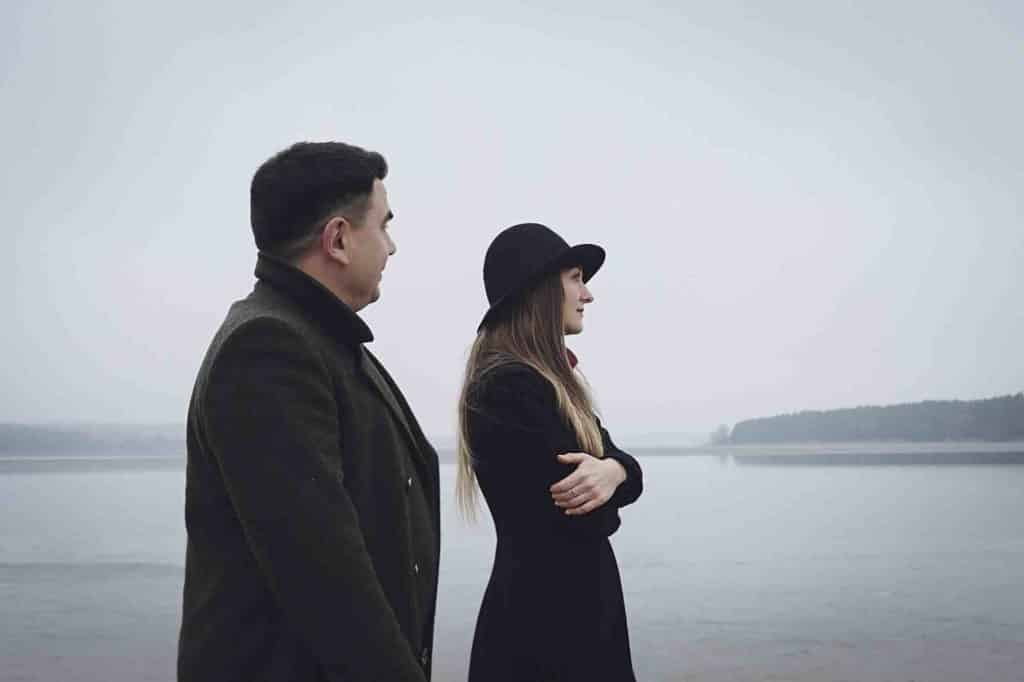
575, 296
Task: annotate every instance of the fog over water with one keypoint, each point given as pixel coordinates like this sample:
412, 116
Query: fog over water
805, 205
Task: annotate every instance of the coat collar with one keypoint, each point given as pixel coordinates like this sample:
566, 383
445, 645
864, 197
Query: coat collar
314, 298
342, 323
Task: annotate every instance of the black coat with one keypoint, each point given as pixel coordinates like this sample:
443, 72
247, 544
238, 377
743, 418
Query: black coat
553, 608
311, 501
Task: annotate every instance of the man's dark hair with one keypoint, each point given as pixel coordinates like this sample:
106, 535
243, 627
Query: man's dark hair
295, 190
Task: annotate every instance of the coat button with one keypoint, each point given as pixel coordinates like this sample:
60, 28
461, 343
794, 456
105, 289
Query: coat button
408, 483
416, 568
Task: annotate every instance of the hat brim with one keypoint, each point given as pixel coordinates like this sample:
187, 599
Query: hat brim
589, 258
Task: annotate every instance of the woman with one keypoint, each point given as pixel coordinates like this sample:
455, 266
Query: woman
550, 474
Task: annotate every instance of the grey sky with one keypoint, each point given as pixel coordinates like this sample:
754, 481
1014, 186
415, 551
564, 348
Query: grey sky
812, 206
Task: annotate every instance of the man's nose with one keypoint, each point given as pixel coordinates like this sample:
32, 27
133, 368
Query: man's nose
391, 246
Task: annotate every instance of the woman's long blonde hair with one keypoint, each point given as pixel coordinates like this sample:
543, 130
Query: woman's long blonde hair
529, 330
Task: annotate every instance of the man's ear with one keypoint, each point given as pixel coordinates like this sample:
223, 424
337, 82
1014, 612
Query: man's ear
336, 239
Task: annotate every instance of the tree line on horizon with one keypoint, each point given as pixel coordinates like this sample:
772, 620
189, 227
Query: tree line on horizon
991, 419
92, 439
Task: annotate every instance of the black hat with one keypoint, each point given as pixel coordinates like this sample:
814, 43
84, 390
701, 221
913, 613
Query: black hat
522, 254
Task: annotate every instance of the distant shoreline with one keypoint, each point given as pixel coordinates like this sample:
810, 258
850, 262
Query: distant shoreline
881, 453
899, 453
893, 447
991, 419
160, 441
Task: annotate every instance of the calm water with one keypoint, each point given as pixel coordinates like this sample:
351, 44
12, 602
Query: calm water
717, 560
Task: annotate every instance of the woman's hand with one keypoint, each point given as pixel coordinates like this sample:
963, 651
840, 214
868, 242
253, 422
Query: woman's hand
591, 485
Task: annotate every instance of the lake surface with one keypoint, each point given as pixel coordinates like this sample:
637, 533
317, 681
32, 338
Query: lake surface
730, 572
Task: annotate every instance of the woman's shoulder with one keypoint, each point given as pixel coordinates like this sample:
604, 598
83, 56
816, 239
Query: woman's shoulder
511, 377
512, 391
508, 401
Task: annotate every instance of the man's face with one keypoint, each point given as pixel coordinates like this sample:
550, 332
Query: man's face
575, 296
370, 246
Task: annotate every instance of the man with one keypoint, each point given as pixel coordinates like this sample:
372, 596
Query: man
312, 495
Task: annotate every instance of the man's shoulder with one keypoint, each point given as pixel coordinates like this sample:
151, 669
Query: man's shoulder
265, 306
266, 309
266, 322
254, 315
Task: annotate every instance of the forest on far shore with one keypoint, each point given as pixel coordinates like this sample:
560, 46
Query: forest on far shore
991, 419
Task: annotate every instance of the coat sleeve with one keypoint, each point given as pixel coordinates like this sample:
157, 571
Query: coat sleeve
519, 408
630, 489
270, 417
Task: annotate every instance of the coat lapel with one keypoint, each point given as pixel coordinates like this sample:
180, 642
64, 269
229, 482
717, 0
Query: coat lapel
370, 368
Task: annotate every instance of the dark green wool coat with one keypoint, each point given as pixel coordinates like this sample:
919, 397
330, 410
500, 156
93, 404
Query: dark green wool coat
553, 609
311, 500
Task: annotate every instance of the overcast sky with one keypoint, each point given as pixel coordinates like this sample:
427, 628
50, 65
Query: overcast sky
811, 206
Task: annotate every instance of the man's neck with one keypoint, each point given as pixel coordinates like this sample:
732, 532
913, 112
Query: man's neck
314, 266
